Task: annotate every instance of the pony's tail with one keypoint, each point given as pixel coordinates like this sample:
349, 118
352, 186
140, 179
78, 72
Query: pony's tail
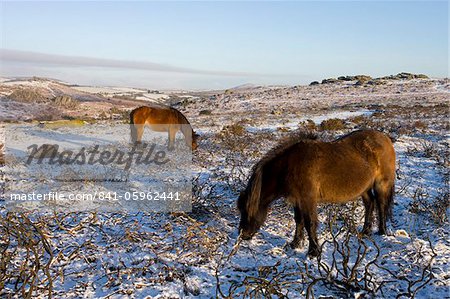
133, 128
390, 202
255, 192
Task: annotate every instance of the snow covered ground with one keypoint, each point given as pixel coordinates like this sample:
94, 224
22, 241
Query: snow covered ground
193, 254
114, 181
142, 94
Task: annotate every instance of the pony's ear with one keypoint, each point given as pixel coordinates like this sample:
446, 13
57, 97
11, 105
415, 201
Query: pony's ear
255, 193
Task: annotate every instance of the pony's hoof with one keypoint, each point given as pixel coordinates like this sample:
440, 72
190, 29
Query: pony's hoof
313, 252
296, 244
366, 232
171, 149
382, 232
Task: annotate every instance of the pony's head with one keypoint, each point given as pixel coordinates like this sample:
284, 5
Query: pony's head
252, 212
195, 140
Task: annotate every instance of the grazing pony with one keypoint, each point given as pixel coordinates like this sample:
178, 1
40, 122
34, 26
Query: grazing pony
161, 119
306, 171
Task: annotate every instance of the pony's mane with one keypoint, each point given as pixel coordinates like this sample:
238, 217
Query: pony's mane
286, 143
254, 184
183, 120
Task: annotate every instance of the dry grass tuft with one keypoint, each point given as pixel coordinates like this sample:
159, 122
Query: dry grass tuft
333, 124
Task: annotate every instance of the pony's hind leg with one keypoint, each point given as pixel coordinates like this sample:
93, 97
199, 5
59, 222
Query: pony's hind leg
133, 132
369, 205
384, 192
299, 225
310, 218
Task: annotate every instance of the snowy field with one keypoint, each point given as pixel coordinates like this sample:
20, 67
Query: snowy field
195, 254
78, 169
141, 94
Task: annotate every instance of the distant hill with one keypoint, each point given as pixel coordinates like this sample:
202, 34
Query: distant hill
244, 86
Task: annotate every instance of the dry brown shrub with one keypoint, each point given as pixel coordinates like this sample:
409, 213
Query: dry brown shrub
308, 125
360, 119
332, 124
119, 114
236, 129
205, 112
420, 124
2, 154
25, 258
283, 129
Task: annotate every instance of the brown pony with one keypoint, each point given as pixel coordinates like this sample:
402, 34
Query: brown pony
306, 171
161, 119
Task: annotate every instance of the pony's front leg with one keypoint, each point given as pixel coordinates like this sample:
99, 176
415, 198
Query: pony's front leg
137, 130
299, 225
172, 134
369, 205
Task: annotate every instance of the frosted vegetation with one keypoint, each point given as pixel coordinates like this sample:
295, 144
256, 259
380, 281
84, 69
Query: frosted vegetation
185, 255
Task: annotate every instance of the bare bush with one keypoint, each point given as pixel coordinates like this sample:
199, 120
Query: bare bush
309, 125
119, 114
26, 257
432, 150
235, 141
435, 208
351, 266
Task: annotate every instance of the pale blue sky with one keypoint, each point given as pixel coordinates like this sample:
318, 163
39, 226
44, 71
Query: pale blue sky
221, 44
